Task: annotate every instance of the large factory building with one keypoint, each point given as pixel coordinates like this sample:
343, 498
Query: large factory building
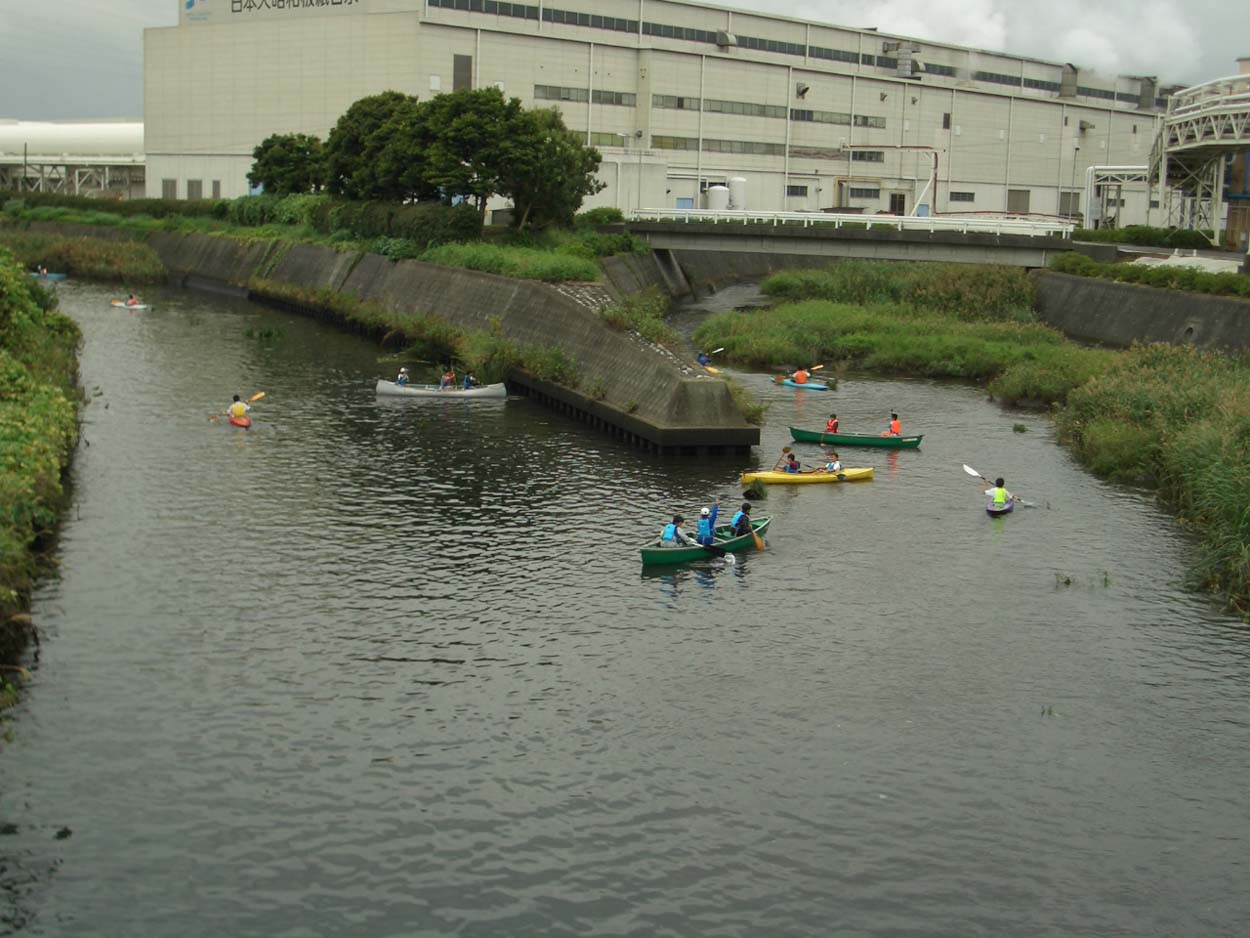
677, 96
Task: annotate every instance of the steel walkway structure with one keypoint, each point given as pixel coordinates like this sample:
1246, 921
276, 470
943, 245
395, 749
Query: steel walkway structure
1202, 127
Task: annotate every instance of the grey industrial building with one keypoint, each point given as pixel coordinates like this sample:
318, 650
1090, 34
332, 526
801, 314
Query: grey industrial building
678, 96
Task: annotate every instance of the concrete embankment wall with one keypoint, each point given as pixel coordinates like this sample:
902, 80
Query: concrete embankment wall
626, 385
1119, 314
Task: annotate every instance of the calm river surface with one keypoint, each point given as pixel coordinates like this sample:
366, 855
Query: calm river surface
391, 669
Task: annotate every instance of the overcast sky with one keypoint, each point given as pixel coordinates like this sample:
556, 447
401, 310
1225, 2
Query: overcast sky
66, 59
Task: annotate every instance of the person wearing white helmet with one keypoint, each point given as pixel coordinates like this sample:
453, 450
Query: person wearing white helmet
707, 524
403, 377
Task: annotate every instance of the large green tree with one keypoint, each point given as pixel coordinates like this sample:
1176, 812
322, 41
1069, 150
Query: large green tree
354, 146
547, 170
287, 163
471, 133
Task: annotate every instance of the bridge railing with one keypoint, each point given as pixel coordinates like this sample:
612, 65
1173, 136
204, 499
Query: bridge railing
931, 223
1218, 94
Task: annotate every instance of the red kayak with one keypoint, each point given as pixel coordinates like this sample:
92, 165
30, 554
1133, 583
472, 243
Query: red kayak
244, 421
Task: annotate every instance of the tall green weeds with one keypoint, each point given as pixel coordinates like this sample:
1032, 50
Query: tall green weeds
93, 258
1179, 418
38, 431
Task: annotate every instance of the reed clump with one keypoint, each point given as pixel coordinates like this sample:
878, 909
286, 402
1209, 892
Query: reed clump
1179, 418
114, 261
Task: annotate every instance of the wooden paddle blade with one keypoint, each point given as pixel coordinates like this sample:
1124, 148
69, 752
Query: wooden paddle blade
759, 541
816, 368
256, 397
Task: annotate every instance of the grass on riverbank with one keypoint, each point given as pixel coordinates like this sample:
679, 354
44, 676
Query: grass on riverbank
645, 314
1169, 277
433, 233
38, 432
128, 262
974, 322
1178, 418
486, 352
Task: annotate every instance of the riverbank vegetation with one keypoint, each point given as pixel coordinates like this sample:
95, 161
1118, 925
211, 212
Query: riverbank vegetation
1173, 417
1170, 277
1146, 235
487, 353
1178, 418
38, 431
129, 262
953, 321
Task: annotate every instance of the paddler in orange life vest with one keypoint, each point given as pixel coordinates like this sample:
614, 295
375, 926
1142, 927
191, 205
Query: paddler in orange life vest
831, 425
799, 377
895, 428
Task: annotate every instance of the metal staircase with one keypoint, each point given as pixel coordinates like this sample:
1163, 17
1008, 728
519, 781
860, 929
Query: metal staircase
1202, 127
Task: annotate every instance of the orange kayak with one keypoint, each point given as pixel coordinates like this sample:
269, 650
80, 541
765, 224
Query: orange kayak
244, 421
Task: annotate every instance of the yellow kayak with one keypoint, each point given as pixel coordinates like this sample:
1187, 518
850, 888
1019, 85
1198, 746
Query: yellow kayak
808, 476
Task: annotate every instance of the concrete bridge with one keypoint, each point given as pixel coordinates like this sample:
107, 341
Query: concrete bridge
803, 239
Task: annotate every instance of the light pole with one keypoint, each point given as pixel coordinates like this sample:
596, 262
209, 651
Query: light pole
1072, 195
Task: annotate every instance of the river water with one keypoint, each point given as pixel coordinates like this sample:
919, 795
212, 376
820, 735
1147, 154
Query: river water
393, 668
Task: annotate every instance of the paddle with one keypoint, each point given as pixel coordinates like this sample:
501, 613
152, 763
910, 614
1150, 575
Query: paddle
972, 472
785, 451
251, 400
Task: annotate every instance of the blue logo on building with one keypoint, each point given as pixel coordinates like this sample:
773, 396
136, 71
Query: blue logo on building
190, 4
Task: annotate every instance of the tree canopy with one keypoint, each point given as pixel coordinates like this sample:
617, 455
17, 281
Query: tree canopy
287, 164
466, 146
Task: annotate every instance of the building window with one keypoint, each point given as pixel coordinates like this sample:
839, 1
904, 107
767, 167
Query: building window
946, 120
946, 70
1069, 203
216, 188
598, 139
461, 72
822, 117
857, 193
963, 196
674, 102
865, 120
1018, 201
195, 189
868, 156
169, 188
817, 153
556, 93
745, 108
800, 191
674, 143
748, 147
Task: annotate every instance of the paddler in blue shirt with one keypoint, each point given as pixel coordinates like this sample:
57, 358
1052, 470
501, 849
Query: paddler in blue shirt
673, 535
792, 464
402, 378
469, 380
742, 520
703, 358
707, 524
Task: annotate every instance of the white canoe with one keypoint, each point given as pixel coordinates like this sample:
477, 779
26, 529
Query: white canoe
117, 304
481, 392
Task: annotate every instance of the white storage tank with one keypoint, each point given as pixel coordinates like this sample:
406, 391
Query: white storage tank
717, 198
737, 193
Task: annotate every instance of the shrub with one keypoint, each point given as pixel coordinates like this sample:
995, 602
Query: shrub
604, 215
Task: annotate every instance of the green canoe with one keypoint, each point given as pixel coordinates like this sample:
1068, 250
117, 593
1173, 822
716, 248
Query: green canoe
653, 554
856, 439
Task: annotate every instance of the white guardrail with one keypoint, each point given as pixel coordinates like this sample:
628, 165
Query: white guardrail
964, 224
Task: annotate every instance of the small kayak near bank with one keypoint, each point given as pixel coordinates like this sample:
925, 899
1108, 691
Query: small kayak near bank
855, 439
35, 273
995, 510
118, 304
808, 476
653, 554
481, 392
808, 386
245, 421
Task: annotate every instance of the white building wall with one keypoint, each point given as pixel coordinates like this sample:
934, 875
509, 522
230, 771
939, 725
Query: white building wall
219, 83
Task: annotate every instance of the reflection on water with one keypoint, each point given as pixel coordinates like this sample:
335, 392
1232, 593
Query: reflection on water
385, 667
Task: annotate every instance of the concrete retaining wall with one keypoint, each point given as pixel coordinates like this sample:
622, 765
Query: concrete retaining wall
1119, 314
641, 391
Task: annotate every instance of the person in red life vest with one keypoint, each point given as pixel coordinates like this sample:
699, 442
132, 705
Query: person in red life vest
831, 425
799, 377
895, 428
448, 381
